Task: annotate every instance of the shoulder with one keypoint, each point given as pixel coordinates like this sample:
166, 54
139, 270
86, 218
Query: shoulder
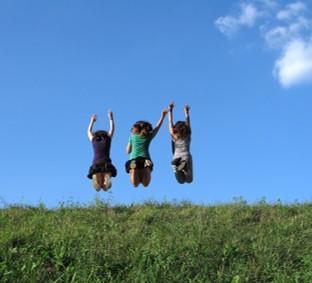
174, 137
149, 137
133, 137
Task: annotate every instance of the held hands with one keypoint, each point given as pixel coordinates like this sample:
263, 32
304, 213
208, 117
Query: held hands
164, 113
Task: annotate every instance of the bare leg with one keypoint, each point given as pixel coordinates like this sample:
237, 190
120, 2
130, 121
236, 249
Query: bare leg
140, 173
180, 176
100, 179
134, 178
95, 183
189, 170
146, 177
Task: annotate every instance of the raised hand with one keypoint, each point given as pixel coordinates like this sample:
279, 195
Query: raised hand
171, 105
93, 118
110, 115
186, 109
164, 112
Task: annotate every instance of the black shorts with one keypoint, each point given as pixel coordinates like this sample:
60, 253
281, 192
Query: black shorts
139, 163
103, 167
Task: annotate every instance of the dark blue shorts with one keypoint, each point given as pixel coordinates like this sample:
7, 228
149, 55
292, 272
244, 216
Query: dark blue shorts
139, 163
103, 167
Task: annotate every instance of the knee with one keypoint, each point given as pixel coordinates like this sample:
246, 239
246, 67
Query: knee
180, 177
135, 184
145, 183
95, 183
97, 187
135, 181
146, 179
189, 178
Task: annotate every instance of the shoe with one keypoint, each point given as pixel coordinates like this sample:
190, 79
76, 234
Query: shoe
132, 164
107, 182
176, 162
182, 166
95, 183
148, 163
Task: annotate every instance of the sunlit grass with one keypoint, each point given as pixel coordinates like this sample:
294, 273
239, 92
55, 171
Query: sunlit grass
157, 242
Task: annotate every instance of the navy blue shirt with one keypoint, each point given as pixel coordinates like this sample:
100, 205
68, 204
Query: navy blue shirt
101, 149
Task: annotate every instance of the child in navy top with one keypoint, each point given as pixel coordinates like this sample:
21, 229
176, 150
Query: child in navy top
102, 168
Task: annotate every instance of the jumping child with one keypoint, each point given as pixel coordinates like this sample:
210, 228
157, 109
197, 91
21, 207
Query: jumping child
140, 165
181, 138
102, 168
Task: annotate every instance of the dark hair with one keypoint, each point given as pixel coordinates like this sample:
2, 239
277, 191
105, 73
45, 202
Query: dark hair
142, 127
100, 134
182, 130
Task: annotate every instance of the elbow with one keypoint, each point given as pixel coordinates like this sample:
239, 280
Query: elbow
128, 149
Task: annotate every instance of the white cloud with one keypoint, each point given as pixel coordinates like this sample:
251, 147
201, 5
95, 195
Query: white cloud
299, 25
295, 64
285, 28
269, 3
266, 6
247, 17
227, 25
291, 10
279, 36
276, 37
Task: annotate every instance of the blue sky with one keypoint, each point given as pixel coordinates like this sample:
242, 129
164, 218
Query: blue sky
244, 67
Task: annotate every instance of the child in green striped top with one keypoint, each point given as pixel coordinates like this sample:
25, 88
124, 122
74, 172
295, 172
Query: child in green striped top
140, 165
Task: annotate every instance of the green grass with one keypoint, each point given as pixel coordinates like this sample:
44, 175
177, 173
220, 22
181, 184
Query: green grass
157, 243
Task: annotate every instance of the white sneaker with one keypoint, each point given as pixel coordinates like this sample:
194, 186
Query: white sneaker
147, 163
181, 166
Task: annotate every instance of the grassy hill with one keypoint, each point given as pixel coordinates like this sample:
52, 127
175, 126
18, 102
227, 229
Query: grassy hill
157, 243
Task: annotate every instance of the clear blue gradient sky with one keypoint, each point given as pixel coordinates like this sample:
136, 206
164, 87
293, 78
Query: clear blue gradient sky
61, 61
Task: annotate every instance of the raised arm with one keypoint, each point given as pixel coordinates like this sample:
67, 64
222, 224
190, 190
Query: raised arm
111, 124
187, 115
159, 123
128, 148
170, 118
90, 127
